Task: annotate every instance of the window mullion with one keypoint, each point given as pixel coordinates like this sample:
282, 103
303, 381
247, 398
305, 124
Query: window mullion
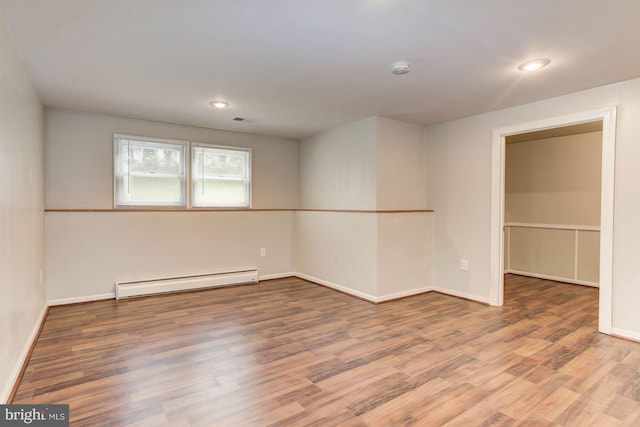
128, 166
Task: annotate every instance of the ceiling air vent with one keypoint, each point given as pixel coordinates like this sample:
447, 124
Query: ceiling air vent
244, 120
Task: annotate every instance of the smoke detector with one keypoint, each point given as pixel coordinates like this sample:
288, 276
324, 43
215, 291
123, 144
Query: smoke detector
400, 68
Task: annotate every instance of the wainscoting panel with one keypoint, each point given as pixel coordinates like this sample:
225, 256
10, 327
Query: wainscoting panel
569, 253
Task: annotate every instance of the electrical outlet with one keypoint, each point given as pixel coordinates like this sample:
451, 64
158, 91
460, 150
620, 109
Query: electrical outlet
334, 259
41, 276
464, 265
263, 251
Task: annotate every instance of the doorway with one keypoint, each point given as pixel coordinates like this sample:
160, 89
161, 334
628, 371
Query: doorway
552, 204
608, 118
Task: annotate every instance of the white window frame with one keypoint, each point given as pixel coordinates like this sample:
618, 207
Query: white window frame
187, 177
118, 174
247, 180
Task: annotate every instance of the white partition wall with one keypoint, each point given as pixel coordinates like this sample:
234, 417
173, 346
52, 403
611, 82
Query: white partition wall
363, 227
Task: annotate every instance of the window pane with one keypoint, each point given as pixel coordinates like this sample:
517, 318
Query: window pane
149, 173
152, 190
221, 177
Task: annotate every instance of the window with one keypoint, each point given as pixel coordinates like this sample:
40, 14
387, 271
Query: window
221, 176
153, 172
149, 172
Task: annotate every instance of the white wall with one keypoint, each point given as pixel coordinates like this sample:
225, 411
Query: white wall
459, 191
21, 212
404, 239
338, 249
404, 254
87, 252
338, 172
401, 166
337, 168
372, 165
554, 180
79, 158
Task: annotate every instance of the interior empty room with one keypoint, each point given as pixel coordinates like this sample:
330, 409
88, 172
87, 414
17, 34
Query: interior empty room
362, 213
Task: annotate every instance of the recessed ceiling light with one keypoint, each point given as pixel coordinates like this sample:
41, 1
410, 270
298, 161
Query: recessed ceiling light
219, 104
399, 68
534, 64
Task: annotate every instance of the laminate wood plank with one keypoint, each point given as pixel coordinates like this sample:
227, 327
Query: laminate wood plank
503, 390
622, 408
586, 413
498, 420
291, 353
554, 404
402, 411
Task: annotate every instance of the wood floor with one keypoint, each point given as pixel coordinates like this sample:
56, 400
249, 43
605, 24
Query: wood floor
290, 353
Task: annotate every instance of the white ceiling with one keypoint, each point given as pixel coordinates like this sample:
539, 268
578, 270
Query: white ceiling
297, 67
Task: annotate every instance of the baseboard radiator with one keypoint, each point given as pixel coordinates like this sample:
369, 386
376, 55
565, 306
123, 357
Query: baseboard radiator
185, 283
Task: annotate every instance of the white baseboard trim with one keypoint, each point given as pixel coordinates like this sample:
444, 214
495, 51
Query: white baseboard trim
337, 287
362, 295
276, 276
459, 294
554, 278
346, 290
15, 372
623, 333
403, 294
74, 300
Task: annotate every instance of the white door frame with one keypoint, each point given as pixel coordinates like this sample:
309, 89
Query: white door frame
608, 117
